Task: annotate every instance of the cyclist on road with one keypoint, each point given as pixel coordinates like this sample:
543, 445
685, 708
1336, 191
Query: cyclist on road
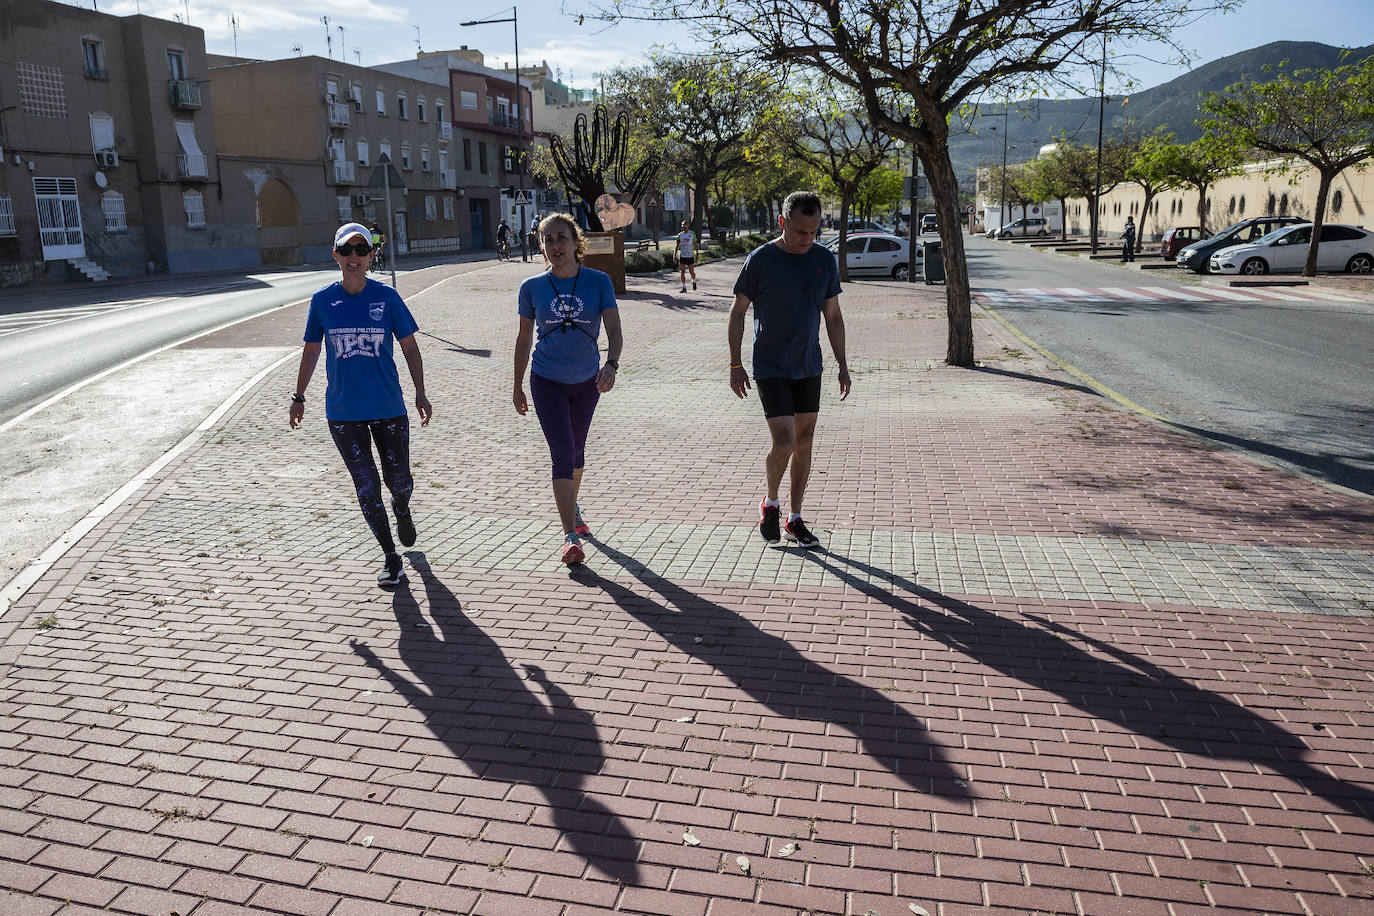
503, 236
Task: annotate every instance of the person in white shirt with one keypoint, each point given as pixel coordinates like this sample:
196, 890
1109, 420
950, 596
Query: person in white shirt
685, 251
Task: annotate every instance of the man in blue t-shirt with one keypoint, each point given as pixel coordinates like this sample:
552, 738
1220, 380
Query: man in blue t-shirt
792, 283
355, 321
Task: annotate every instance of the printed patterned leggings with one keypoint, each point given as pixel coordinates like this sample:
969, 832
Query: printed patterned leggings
354, 439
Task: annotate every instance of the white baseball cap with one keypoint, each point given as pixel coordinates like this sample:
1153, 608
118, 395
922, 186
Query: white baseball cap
348, 230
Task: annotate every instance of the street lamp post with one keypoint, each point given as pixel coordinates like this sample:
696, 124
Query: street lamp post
514, 20
1002, 218
1101, 114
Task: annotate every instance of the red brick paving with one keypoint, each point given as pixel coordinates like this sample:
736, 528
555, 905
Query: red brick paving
238, 734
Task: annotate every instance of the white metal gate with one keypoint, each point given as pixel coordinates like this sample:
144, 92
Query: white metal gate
59, 218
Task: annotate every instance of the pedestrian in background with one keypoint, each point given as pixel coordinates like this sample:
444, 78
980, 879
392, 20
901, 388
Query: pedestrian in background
363, 402
561, 314
685, 253
1128, 241
792, 283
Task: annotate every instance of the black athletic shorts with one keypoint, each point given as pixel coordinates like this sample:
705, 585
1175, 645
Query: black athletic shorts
687, 262
786, 397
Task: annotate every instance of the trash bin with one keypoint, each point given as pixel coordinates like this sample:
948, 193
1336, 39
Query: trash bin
934, 262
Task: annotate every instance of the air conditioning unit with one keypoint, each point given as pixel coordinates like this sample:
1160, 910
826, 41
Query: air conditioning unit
106, 158
360, 200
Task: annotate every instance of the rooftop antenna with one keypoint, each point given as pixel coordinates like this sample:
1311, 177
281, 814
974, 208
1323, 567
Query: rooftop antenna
343, 47
297, 49
358, 56
328, 39
234, 24
418, 49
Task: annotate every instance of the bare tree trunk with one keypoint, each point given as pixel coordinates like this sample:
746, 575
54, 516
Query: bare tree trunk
1144, 214
940, 171
1309, 267
1202, 207
840, 249
1063, 220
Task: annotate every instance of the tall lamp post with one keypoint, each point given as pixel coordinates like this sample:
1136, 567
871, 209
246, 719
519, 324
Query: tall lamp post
514, 20
1002, 219
1101, 114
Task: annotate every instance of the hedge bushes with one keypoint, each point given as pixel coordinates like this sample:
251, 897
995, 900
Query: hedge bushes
642, 262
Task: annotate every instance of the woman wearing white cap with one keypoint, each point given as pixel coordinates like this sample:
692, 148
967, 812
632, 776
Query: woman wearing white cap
363, 401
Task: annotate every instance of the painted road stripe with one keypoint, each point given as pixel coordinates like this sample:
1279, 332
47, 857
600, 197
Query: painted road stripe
1225, 294
1170, 292
1122, 293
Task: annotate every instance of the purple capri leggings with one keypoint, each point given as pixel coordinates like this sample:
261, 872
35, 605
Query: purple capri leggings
565, 413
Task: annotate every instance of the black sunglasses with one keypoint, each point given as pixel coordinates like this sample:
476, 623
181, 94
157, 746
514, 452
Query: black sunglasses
360, 248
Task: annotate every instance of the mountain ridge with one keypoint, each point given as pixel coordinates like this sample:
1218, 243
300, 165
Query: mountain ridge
1174, 105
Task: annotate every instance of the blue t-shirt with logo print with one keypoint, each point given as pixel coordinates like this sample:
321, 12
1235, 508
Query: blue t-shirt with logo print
567, 322
357, 333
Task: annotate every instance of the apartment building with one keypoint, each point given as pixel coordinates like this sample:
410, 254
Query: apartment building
301, 139
492, 129
109, 163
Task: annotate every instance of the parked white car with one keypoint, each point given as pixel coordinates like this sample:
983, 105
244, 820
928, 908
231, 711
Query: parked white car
1285, 251
880, 253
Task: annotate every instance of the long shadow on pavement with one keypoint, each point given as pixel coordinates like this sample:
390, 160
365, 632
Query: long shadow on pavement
489, 718
1126, 689
771, 671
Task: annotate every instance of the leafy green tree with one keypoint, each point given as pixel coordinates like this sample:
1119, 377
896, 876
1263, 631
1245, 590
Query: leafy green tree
915, 63
708, 110
1200, 165
1321, 117
1149, 169
1048, 179
1074, 169
829, 131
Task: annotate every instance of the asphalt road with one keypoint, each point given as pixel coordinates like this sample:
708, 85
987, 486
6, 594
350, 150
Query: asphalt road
1292, 382
51, 341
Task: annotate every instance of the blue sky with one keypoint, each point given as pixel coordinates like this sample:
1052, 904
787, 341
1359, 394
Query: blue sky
375, 31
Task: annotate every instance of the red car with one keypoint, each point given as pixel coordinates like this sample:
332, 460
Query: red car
1176, 239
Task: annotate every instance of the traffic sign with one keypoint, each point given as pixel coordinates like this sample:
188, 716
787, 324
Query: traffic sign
651, 202
522, 199
969, 209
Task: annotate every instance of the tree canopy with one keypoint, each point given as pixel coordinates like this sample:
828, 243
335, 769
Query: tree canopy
1323, 118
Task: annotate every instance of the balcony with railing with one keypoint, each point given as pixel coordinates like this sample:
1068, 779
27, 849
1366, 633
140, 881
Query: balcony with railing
345, 172
183, 93
96, 71
503, 119
340, 114
191, 165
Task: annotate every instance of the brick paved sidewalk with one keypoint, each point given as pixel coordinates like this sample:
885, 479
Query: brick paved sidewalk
1054, 658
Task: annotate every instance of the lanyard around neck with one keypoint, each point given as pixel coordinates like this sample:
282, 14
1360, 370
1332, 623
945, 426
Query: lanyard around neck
569, 298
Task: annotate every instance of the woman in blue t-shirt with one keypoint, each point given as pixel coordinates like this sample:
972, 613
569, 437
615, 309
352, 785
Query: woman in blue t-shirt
561, 314
362, 400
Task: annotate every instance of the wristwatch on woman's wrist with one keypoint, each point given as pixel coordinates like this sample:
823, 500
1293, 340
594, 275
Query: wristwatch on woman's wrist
297, 398
613, 364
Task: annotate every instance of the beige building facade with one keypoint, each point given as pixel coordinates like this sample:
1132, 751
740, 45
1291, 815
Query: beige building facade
1258, 191
109, 148
300, 143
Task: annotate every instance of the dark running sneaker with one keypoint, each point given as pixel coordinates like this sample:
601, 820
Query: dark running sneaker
797, 531
405, 525
394, 571
768, 522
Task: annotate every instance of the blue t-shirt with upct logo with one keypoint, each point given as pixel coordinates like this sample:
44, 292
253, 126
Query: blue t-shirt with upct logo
567, 322
357, 333
788, 292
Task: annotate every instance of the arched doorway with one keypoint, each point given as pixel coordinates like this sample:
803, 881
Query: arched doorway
279, 224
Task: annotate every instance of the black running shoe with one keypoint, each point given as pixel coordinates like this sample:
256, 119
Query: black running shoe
405, 525
393, 572
797, 531
768, 523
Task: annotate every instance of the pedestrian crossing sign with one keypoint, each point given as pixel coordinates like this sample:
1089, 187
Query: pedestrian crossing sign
522, 199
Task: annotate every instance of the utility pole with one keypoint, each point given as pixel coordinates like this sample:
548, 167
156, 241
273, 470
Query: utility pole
514, 20
1101, 115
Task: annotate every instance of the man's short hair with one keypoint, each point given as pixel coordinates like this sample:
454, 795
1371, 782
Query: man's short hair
805, 203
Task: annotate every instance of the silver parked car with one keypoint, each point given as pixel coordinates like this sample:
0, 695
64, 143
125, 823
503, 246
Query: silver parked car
876, 253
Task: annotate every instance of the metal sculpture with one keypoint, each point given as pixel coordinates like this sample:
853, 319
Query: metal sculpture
599, 150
